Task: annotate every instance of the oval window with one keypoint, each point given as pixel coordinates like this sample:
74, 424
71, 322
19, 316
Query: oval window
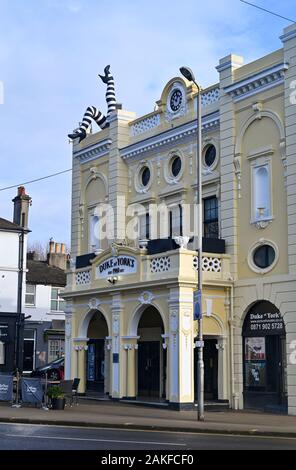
145, 176
176, 166
210, 155
264, 256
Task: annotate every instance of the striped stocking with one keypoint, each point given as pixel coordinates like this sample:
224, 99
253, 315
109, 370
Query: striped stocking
93, 113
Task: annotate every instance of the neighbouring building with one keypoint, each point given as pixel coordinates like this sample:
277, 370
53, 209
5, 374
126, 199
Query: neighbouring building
13, 247
44, 330
129, 316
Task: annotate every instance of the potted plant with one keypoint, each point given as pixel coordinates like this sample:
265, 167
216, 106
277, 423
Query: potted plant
57, 397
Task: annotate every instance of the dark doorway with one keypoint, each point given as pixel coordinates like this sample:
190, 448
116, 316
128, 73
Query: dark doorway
149, 368
29, 350
264, 359
95, 371
151, 355
210, 370
95, 358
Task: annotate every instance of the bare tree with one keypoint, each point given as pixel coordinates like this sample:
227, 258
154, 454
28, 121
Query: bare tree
39, 248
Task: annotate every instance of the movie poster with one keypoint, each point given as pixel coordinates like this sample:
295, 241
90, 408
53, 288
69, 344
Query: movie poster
255, 374
255, 349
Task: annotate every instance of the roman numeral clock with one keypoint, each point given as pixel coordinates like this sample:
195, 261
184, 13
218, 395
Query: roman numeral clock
176, 102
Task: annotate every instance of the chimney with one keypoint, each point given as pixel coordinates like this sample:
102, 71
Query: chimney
32, 256
57, 255
21, 203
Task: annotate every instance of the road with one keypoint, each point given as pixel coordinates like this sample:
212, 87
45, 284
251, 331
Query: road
39, 437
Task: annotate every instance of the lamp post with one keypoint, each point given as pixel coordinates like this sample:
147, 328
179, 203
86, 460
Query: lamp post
188, 74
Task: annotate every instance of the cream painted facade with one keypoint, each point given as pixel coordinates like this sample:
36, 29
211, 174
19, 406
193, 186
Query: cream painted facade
249, 116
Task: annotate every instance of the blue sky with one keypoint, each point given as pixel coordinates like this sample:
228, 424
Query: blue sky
52, 50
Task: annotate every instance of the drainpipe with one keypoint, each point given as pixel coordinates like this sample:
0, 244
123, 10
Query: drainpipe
233, 394
19, 301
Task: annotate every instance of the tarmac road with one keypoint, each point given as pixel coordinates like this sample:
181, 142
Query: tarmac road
41, 437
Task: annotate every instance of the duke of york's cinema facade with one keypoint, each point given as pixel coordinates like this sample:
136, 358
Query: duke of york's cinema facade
130, 331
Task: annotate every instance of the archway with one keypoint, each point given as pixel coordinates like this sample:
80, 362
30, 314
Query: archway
97, 363
152, 359
264, 358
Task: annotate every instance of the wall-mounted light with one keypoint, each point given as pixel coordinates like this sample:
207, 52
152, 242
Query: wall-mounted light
113, 279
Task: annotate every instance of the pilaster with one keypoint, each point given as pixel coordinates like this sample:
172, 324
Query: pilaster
289, 41
229, 226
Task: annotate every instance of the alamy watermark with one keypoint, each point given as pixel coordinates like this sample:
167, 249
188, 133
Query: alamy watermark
292, 355
137, 221
1, 92
293, 92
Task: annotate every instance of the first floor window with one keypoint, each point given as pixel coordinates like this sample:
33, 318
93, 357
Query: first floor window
144, 226
94, 233
57, 304
261, 192
56, 348
176, 221
30, 298
211, 219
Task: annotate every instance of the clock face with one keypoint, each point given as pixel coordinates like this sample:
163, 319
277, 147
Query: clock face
176, 100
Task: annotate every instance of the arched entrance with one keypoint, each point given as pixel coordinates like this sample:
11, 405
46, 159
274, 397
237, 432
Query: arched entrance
152, 357
264, 358
96, 360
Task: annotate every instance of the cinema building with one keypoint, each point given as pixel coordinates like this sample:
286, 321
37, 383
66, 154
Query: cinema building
130, 331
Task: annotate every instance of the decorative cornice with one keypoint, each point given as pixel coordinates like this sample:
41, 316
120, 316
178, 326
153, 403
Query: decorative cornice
289, 35
258, 82
94, 151
164, 139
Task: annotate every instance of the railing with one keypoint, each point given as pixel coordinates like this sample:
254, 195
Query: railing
180, 264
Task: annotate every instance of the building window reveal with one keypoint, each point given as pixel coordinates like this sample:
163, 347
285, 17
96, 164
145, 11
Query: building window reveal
56, 349
57, 304
261, 192
30, 299
211, 218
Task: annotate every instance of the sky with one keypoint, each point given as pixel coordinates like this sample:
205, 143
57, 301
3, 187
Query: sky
51, 52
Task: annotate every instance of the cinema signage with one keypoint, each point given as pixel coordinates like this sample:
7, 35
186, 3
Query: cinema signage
264, 323
116, 266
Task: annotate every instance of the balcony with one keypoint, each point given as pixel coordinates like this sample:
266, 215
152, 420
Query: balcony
176, 265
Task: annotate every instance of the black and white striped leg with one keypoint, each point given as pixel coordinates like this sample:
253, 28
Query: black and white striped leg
90, 113
110, 93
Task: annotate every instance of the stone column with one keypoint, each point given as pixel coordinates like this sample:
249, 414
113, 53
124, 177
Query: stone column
68, 340
130, 346
107, 357
180, 351
79, 369
222, 369
117, 353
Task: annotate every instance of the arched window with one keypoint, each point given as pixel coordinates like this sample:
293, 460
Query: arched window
94, 235
261, 192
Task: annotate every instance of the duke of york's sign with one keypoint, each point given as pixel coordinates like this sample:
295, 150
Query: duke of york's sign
115, 266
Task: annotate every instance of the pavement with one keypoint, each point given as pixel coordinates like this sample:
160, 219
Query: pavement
116, 415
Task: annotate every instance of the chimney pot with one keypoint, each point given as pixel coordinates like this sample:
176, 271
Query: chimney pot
63, 248
57, 248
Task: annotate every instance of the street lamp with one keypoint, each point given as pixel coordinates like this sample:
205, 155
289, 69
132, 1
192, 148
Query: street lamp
189, 75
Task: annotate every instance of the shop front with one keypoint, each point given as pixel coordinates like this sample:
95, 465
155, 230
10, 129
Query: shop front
264, 359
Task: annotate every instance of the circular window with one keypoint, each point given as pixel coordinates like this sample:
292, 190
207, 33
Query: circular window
176, 166
264, 256
145, 176
210, 155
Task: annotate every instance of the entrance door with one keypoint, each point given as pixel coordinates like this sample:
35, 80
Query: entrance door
95, 365
264, 359
29, 351
149, 368
210, 370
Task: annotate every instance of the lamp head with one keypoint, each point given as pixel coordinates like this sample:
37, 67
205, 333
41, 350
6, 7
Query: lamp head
187, 73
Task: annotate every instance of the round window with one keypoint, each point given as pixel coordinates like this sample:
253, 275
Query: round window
210, 155
145, 176
176, 166
264, 256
